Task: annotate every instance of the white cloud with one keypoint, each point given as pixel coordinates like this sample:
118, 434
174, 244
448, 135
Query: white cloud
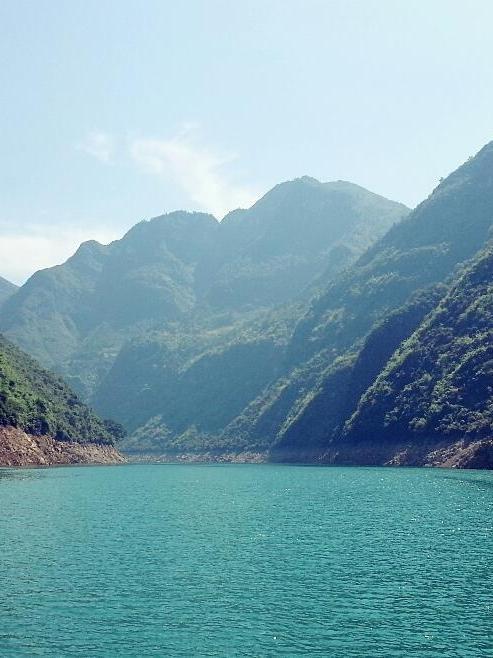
198, 170
100, 145
31, 248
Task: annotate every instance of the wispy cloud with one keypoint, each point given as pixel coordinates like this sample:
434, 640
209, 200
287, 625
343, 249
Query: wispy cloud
34, 247
200, 171
203, 173
99, 145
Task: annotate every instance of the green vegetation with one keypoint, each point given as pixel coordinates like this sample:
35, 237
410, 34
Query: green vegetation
440, 381
321, 415
365, 313
206, 382
268, 333
187, 319
40, 403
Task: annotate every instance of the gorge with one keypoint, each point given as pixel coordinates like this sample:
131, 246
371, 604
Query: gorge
324, 324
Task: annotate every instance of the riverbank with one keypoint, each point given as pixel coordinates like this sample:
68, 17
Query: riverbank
443, 454
17, 448
460, 453
206, 457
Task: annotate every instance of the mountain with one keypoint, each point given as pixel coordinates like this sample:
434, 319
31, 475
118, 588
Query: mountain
334, 392
6, 289
43, 421
195, 380
186, 273
359, 325
288, 240
443, 231
287, 331
437, 387
300, 230
74, 317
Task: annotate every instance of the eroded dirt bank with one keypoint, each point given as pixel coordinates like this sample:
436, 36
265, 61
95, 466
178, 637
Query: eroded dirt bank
20, 449
209, 457
445, 454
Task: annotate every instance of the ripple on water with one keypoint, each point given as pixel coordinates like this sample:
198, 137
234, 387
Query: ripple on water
246, 561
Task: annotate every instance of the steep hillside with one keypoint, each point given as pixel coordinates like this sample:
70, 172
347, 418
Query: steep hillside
320, 416
308, 406
187, 269
438, 385
182, 386
443, 231
75, 317
299, 230
44, 411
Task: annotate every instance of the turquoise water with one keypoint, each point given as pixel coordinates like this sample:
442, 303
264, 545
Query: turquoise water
204, 560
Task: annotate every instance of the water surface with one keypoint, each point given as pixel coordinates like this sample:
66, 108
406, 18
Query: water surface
208, 560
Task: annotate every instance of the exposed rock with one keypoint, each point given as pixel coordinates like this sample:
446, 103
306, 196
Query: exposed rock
445, 454
20, 449
211, 457
461, 453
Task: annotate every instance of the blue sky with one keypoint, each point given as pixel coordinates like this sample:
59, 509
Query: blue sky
114, 110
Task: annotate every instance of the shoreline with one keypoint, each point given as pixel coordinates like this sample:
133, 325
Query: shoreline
458, 454
19, 449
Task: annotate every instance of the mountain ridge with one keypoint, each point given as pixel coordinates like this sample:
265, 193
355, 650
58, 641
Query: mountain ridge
283, 342
352, 330
77, 316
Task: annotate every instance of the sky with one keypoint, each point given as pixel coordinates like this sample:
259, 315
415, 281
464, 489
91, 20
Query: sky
114, 111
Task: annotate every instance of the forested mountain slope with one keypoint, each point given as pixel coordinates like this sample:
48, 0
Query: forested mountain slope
186, 270
384, 297
298, 231
225, 352
439, 383
75, 317
41, 417
343, 344
443, 231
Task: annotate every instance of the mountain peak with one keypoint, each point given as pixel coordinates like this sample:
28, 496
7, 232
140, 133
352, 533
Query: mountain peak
306, 179
177, 219
89, 246
182, 216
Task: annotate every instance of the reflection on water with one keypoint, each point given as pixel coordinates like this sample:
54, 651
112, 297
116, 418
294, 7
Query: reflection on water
480, 478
